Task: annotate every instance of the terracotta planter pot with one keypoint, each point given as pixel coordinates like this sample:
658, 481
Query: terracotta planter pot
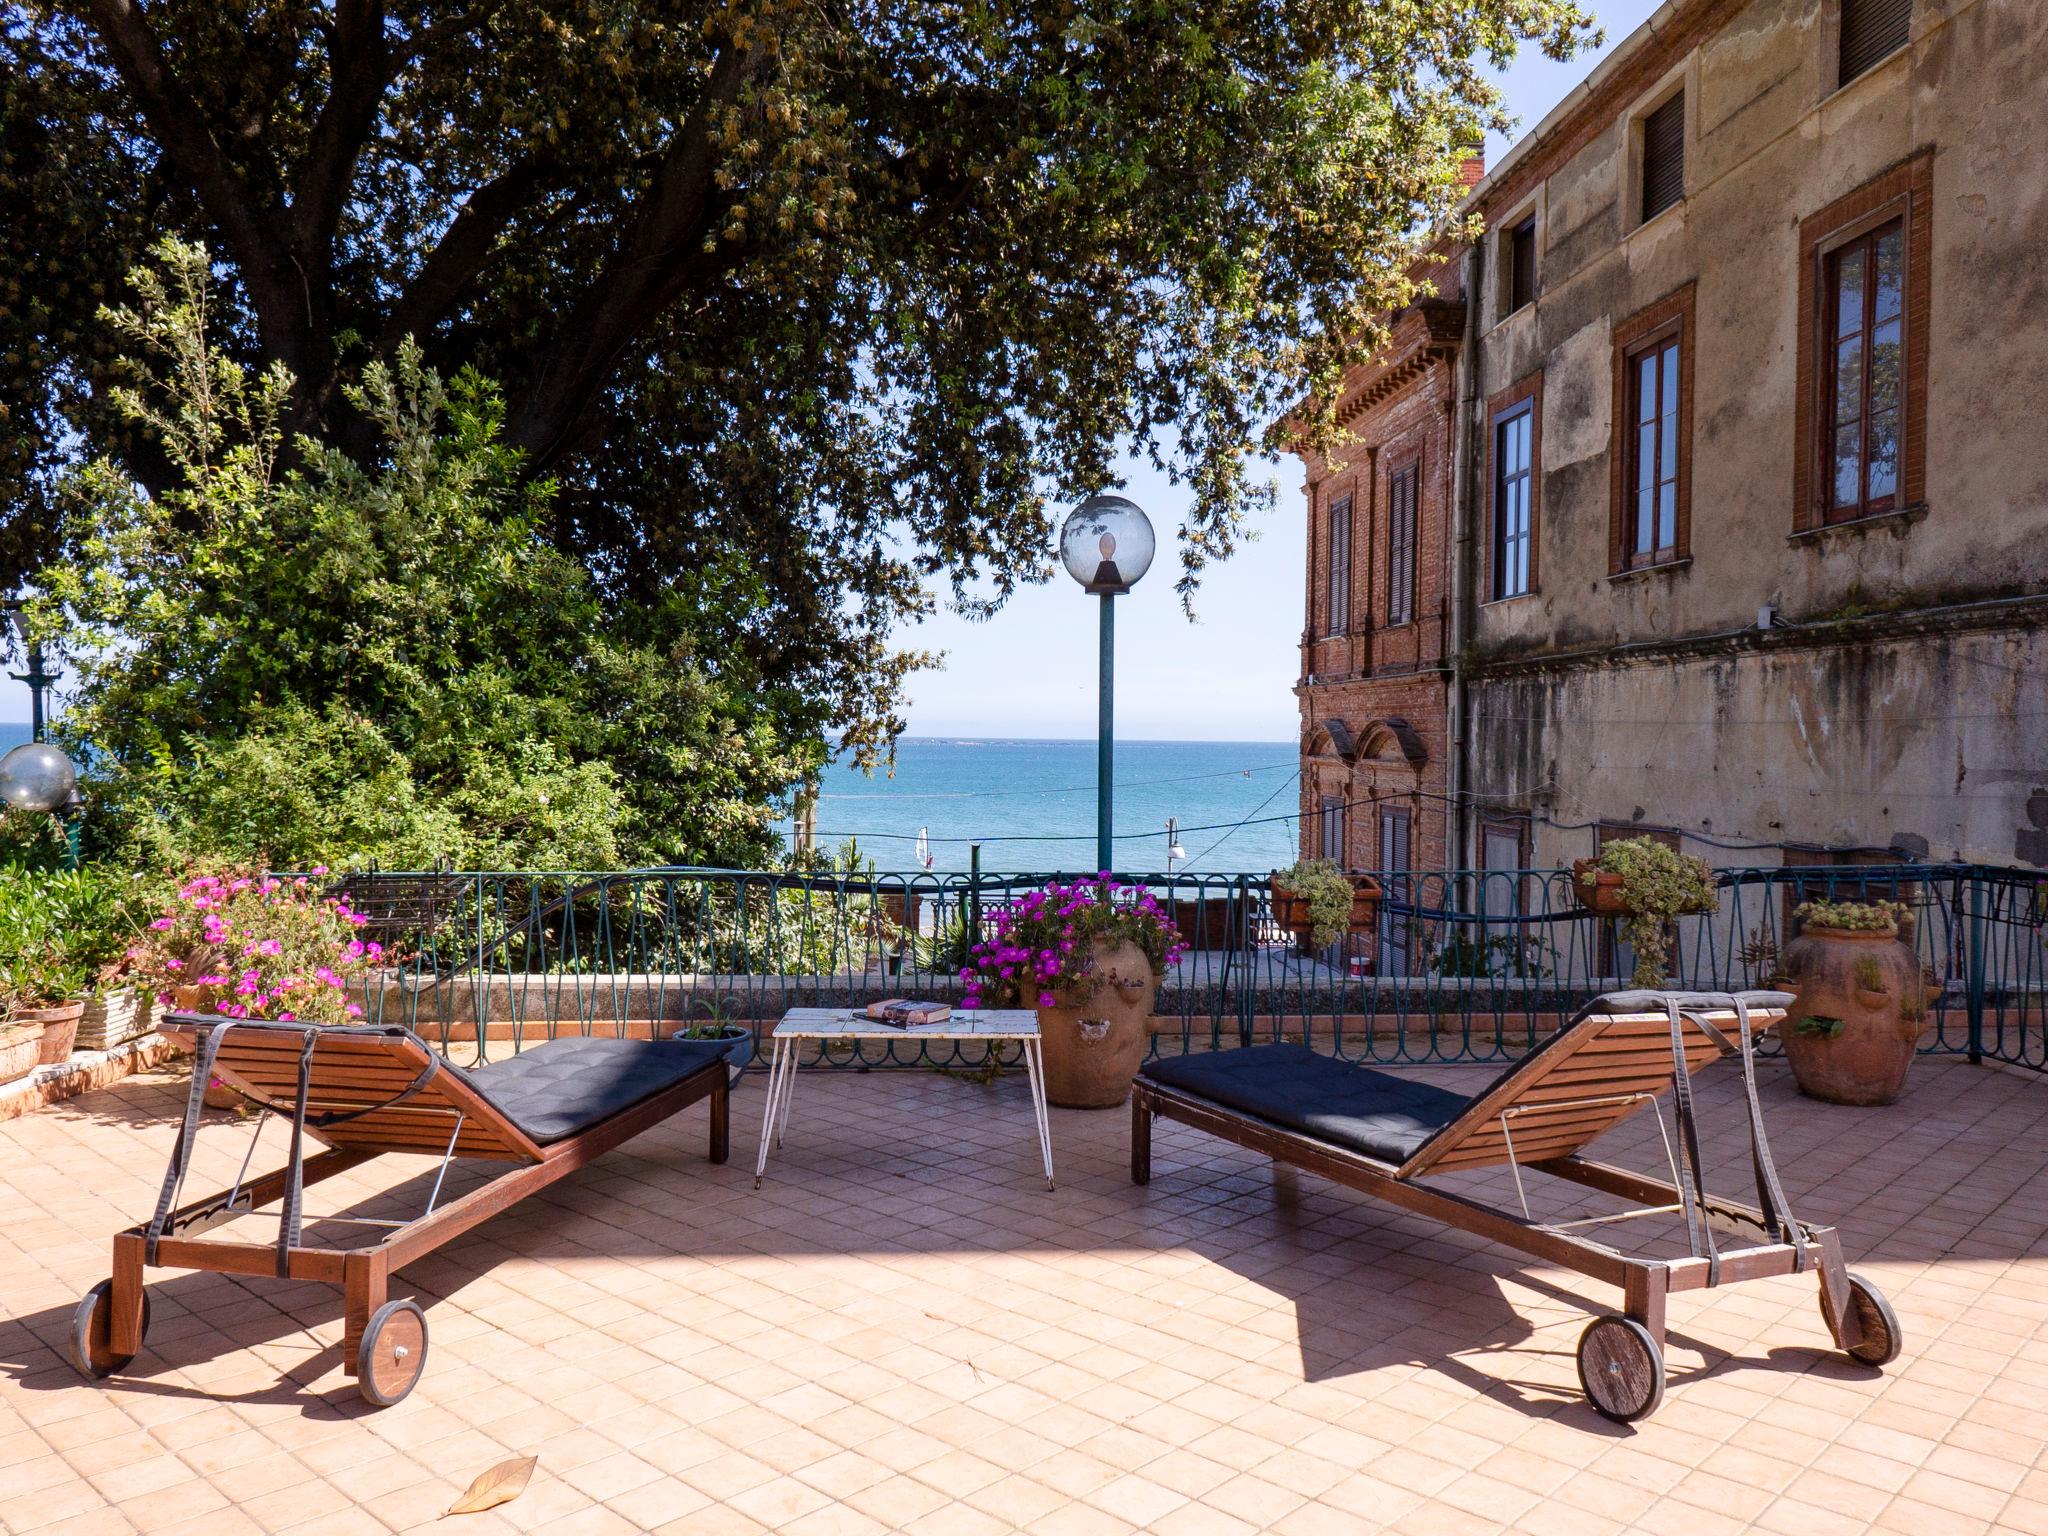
1291, 911
1830, 972
221, 1098
1094, 1041
60, 1029
20, 1045
1598, 890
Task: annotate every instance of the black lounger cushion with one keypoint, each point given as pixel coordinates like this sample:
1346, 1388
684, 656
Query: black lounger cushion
555, 1090
1383, 1116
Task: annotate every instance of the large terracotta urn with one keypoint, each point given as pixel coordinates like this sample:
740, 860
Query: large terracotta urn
1094, 1037
1859, 1004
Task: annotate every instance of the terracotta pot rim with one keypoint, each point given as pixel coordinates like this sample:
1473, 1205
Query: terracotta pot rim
1860, 935
54, 1013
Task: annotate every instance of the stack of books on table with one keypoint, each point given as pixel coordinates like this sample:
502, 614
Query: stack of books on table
907, 1012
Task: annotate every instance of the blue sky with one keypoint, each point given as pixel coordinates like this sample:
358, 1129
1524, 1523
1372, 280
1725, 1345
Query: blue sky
1224, 678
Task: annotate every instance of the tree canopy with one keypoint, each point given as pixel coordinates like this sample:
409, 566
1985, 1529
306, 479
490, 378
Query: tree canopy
847, 287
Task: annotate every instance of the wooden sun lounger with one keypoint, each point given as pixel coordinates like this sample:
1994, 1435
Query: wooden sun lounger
1383, 1134
365, 1091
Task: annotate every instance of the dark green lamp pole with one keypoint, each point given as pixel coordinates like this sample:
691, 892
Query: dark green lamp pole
36, 776
1106, 545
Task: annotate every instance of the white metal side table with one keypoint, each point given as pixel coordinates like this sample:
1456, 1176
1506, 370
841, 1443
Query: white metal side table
800, 1026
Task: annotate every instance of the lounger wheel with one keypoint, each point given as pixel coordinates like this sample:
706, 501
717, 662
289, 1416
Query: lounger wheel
1622, 1369
393, 1352
1882, 1339
92, 1325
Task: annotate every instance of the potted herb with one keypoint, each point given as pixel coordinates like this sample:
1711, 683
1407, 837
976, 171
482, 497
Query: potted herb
1859, 1001
718, 1023
1319, 904
1088, 955
1646, 885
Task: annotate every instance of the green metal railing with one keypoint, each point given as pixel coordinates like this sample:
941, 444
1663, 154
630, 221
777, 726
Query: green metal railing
1462, 966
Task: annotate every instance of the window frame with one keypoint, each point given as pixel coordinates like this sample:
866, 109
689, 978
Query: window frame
1905, 192
1863, 247
1330, 815
1517, 300
1337, 579
1678, 95
1836, 59
1658, 325
1402, 559
1526, 394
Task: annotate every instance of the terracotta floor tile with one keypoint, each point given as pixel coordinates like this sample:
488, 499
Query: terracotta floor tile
922, 1342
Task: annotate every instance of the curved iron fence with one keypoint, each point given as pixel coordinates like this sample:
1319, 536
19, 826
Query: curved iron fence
1468, 965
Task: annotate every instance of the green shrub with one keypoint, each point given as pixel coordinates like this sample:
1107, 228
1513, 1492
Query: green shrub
64, 933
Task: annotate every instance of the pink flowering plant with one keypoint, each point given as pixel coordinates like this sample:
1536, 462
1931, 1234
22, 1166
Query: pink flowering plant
1040, 947
253, 946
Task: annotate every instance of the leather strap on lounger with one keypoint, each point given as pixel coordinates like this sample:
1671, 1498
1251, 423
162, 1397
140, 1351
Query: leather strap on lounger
1779, 1223
208, 1047
1699, 1232
295, 1164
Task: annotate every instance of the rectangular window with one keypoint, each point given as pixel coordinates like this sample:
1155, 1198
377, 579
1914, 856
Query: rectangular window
1522, 264
1653, 450
1394, 839
1331, 830
1872, 31
1513, 505
1664, 157
1401, 547
1865, 295
1338, 607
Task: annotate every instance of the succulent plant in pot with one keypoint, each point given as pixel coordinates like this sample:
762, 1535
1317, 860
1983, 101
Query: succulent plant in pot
1860, 1000
1648, 885
1319, 903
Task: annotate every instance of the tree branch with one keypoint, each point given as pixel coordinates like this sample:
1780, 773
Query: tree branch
174, 117
464, 250
655, 261
358, 72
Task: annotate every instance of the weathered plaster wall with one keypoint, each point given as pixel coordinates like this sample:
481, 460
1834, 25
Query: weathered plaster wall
1771, 145
1931, 743
1874, 729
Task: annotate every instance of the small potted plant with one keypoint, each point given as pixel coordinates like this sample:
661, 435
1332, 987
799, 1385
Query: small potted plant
1860, 1001
1647, 885
59, 929
1088, 954
1319, 904
247, 946
718, 1023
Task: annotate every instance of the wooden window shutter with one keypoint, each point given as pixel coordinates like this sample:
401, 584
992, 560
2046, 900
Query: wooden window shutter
1664, 156
1872, 31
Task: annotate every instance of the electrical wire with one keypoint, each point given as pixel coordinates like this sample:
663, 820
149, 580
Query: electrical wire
1247, 821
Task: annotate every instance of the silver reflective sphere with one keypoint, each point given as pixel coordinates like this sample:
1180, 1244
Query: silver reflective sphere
1107, 544
36, 777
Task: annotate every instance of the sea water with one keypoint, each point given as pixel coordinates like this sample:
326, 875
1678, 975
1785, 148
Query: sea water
1031, 805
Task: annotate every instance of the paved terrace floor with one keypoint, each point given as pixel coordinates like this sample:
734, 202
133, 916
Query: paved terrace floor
904, 1331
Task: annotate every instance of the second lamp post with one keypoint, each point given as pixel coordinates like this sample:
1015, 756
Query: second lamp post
1106, 544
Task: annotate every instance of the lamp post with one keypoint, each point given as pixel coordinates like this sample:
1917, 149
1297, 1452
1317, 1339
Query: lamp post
1106, 545
37, 677
35, 776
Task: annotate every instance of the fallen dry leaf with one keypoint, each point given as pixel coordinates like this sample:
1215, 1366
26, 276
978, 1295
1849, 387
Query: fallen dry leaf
501, 1485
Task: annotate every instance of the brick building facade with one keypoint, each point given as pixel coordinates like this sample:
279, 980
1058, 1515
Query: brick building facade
1730, 517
